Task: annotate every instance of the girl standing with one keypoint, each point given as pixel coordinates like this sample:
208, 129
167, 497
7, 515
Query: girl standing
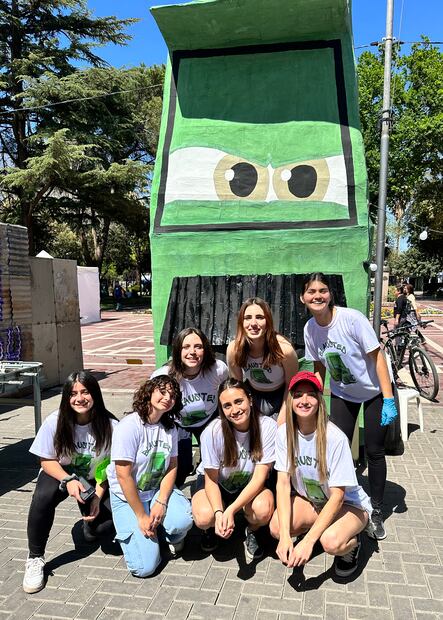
145, 505
261, 357
314, 458
237, 455
199, 374
343, 341
72, 442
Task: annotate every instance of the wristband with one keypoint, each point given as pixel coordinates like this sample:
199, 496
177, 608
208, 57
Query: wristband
64, 482
162, 504
219, 510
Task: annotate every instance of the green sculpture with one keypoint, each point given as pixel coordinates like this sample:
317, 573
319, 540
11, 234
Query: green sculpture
260, 165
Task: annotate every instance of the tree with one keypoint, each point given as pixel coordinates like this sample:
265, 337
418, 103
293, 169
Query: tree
41, 40
415, 160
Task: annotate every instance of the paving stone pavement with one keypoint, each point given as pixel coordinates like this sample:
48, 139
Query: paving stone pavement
400, 577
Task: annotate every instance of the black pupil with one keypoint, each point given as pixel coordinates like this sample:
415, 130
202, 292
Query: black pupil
245, 179
303, 181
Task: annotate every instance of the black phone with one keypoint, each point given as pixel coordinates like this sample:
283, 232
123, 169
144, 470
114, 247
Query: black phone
89, 489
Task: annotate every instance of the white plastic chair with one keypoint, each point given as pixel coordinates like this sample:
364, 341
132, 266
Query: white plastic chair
405, 396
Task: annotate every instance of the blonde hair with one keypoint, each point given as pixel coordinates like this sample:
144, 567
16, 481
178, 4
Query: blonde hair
320, 440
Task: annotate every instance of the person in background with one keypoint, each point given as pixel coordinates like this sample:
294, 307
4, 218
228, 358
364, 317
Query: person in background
73, 441
343, 341
313, 458
262, 357
146, 507
412, 314
199, 375
237, 456
119, 295
400, 306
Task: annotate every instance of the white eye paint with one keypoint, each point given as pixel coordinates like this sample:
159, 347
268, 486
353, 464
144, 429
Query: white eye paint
286, 175
229, 175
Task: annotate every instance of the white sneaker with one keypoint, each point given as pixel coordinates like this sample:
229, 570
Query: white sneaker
176, 548
34, 579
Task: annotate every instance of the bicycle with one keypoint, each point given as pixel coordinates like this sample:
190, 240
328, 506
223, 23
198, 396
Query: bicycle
401, 341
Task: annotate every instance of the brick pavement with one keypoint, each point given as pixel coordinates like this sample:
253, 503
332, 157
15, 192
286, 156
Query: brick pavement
401, 577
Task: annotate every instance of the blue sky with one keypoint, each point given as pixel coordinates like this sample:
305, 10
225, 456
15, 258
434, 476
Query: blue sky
411, 19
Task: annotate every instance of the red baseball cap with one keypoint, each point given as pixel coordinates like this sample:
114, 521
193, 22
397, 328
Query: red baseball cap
305, 375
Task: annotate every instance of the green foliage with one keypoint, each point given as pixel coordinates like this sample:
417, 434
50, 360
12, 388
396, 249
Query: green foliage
414, 262
415, 180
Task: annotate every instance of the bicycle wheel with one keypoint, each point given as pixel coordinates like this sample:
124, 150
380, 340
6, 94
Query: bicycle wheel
423, 373
390, 350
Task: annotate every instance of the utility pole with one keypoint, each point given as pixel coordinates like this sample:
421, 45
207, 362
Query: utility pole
383, 177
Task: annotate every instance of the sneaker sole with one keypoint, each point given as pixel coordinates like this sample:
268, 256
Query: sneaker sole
373, 535
30, 590
255, 556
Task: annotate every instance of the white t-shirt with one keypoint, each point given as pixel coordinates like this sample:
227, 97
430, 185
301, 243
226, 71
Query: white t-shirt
340, 467
234, 479
84, 461
263, 378
199, 395
149, 447
343, 347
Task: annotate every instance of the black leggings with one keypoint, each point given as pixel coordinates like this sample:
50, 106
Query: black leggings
46, 498
344, 415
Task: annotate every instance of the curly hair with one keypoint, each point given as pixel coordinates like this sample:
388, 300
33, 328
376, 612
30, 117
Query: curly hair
101, 427
142, 399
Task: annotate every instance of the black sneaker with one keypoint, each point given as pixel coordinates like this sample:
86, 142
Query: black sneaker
209, 540
345, 565
376, 527
252, 548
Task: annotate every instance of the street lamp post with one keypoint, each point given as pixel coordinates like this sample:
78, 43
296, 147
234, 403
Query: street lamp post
383, 177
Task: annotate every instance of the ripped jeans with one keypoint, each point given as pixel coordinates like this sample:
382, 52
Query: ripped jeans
142, 554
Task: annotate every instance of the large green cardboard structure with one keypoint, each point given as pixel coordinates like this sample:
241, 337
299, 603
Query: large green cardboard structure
260, 165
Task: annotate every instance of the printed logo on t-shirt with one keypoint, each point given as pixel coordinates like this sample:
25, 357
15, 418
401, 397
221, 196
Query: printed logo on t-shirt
80, 465
338, 370
237, 481
192, 417
258, 375
314, 492
151, 479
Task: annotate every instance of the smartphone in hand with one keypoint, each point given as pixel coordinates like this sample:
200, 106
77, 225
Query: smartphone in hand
89, 489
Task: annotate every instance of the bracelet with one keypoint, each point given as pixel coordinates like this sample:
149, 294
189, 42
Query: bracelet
218, 510
165, 506
64, 482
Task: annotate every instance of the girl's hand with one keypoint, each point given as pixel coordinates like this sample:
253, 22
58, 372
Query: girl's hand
227, 523
74, 488
301, 553
221, 525
94, 509
284, 549
158, 513
145, 523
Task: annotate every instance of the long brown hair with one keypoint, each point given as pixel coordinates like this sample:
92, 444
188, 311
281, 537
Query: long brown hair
142, 399
320, 440
176, 366
101, 428
272, 353
230, 450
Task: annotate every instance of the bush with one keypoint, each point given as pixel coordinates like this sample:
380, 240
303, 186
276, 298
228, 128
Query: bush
391, 293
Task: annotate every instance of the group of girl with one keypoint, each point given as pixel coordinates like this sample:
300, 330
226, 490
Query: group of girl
252, 418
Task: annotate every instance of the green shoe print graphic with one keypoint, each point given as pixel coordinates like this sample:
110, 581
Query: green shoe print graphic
339, 372
258, 374
100, 474
80, 465
314, 491
156, 470
192, 417
236, 481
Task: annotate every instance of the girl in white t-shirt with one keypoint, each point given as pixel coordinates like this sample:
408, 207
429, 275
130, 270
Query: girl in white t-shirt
72, 442
199, 373
261, 357
237, 454
146, 507
313, 457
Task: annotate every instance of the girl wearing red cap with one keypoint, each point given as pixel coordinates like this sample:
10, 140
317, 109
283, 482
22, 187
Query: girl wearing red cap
313, 457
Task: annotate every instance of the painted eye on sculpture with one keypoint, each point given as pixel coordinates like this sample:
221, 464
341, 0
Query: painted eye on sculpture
308, 180
236, 178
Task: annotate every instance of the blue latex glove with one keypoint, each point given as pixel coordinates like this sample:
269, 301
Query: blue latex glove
389, 411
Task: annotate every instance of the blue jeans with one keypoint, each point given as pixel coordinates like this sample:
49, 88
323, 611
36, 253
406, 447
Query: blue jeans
142, 554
